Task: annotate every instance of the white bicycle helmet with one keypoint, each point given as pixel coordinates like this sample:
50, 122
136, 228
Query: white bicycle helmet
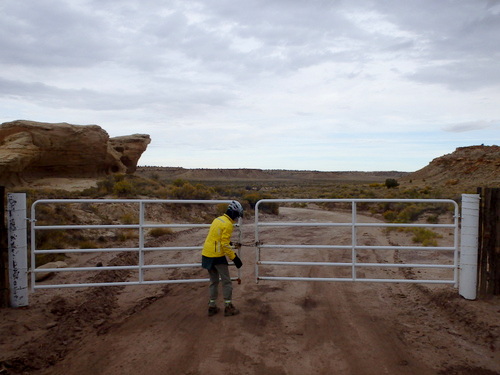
235, 210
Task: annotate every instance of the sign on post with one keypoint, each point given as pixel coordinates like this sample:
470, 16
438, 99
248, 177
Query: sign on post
18, 249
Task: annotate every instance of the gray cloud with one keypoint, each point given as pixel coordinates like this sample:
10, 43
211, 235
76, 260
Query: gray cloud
98, 100
471, 126
461, 75
38, 92
459, 41
288, 72
51, 33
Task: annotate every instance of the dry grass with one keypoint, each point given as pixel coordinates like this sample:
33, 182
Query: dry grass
248, 192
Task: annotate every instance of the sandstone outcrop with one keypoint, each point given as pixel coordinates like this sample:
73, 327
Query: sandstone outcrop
30, 150
472, 166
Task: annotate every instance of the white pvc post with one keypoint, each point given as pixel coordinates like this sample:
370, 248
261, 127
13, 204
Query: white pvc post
18, 249
469, 246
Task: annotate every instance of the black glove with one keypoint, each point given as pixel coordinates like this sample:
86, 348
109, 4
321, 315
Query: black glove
237, 262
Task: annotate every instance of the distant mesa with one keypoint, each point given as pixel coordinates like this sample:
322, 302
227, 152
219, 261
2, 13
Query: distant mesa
466, 168
245, 174
31, 150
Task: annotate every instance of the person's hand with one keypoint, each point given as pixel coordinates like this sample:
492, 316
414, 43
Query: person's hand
237, 262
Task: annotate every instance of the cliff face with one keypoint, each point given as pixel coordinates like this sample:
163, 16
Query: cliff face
472, 166
31, 149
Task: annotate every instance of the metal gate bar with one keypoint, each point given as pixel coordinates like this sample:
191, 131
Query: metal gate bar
140, 249
354, 247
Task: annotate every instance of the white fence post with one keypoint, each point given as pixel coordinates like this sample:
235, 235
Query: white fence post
18, 249
469, 246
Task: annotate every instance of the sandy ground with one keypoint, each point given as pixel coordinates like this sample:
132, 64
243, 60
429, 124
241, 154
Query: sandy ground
284, 327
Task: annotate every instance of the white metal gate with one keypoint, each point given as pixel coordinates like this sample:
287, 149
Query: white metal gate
353, 267
140, 225
466, 265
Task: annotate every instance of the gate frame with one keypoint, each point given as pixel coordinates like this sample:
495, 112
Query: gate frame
354, 225
140, 249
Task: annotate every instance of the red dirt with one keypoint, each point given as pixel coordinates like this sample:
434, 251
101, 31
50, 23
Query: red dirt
284, 327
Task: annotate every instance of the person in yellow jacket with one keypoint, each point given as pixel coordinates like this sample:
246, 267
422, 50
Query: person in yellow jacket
216, 249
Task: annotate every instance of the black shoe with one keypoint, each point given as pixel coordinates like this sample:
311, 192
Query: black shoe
212, 310
230, 310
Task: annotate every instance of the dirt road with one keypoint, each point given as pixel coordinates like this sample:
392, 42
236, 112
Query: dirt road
284, 327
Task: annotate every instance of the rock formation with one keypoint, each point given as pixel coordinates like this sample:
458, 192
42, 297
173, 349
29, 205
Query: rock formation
30, 150
471, 166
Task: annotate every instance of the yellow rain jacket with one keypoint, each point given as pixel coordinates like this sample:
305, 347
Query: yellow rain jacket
218, 239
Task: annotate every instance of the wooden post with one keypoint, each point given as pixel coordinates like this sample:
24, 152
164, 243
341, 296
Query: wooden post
489, 242
4, 254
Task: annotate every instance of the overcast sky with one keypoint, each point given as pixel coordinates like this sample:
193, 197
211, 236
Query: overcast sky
326, 85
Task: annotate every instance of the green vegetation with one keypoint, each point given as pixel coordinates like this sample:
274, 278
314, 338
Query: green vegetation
158, 232
253, 197
391, 183
424, 236
185, 190
245, 191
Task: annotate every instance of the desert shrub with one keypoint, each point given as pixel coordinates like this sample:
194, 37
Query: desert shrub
409, 214
185, 190
390, 216
426, 191
127, 234
255, 196
432, 219
229, 191
163, 193
158, 232
145, 186
203, 192
51, 239
123, 185
270, 208
129, 219
119, 177
106, 185
49, 214
424, 236
123, 188
92, 192
102, 239
410, 194
252, 198
223, 191
179, 182
44, 212
391, 183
